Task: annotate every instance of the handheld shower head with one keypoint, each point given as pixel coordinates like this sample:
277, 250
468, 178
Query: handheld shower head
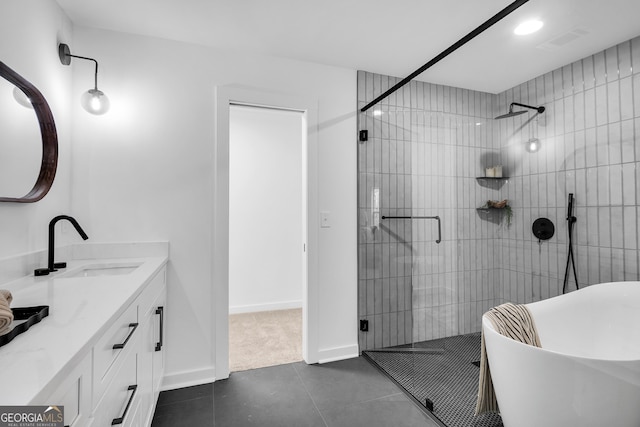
512, 113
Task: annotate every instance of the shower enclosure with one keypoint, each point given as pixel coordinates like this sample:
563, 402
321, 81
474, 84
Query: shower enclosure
427, 267
426, 153
427, 145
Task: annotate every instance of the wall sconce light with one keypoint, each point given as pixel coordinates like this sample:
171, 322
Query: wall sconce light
533, 144
93, 100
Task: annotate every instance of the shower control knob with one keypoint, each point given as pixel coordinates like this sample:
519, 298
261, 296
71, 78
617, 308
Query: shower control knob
543, 228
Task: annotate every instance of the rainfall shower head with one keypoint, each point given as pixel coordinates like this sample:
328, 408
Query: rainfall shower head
512, 113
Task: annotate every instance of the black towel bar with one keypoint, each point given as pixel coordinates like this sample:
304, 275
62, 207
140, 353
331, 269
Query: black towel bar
437, 218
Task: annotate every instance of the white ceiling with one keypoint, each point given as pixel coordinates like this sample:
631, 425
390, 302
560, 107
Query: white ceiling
382, 36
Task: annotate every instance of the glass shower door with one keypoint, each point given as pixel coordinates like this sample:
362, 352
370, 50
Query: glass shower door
385, 258
427, 269
386, 241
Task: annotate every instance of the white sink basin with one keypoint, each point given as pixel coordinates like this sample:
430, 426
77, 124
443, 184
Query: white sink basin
95, 270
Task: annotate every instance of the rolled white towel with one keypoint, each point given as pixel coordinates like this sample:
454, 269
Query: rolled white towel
6, 315
7, 295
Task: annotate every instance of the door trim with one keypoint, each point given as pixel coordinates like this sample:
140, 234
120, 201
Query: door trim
226, 96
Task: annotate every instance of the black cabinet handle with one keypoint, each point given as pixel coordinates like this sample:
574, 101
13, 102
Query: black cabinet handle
160, 311
134, 326
117, 421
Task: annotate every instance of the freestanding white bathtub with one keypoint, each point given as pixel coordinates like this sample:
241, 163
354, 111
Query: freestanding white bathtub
587, 373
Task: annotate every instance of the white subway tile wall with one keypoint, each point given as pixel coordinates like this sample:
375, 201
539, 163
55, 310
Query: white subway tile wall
588, 135
428, 143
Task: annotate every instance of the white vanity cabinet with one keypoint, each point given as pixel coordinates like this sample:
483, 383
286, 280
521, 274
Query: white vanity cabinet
109, 294
74, 393
151, 357
133, 379
117, 381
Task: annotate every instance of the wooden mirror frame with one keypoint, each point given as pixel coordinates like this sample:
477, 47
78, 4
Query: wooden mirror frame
47, 131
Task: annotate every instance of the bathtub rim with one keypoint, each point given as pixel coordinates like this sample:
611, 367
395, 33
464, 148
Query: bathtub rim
593, 359
589, 289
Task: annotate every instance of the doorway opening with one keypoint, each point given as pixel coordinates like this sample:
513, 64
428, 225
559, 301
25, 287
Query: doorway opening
226, 96
267, 223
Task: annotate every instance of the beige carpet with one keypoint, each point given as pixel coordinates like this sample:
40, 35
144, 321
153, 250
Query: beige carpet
265, 338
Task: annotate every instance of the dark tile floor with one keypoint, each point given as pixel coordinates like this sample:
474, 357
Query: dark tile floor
190, 406
346, 393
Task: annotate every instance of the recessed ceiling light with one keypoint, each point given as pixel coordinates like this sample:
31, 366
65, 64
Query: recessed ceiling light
377, 112
528, 27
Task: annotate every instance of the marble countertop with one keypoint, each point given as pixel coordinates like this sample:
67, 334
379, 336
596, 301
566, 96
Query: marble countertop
80, 310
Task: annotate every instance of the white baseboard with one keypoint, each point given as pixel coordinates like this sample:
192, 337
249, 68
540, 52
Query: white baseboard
188, 379
338, 353
252, 308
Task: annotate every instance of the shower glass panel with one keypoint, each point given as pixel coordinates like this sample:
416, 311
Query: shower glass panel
385, 244
427, 269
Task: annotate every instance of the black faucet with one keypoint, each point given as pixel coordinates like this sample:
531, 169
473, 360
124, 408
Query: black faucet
52, 265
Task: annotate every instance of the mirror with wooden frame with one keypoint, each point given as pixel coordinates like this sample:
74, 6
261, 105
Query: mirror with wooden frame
28, 147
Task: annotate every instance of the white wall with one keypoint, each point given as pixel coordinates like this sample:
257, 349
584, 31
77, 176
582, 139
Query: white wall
265, 209
144, 172
29, 34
